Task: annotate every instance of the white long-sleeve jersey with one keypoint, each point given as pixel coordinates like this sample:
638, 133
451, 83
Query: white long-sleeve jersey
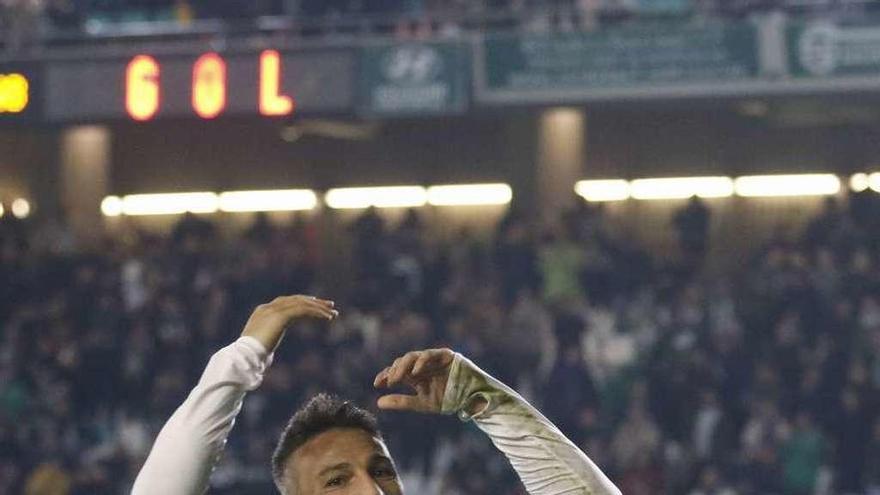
191, 442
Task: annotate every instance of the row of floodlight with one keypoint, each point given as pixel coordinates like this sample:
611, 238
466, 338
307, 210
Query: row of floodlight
20, 208
482, 194
750, 186
469, 194
306, 199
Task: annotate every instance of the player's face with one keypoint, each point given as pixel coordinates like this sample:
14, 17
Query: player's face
342, 461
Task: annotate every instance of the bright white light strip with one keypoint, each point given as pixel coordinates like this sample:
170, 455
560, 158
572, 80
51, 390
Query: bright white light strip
111, 206
280, 200
2, 210
470, 194
682, 187
380, 197
603, 190
163, 204
859, 182
874, 181
787, 185
21, 208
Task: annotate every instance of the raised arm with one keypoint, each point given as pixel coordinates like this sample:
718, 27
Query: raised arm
546, 461
191, 442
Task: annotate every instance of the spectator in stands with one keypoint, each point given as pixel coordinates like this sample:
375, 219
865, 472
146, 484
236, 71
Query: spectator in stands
516, 258
322, 8
184, 12
48, 479
561, 262
712, 428
872, 461
21, 23
711, 482
802, 456
635, 450
574, 407
692, 226
852, 428
826, 228
588, 12
64, 14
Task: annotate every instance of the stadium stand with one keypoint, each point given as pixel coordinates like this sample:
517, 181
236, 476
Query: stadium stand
758, 380
26, 22
680, 375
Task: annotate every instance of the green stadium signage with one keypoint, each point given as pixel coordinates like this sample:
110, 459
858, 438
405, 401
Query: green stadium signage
825, 49
615, 63
414, 78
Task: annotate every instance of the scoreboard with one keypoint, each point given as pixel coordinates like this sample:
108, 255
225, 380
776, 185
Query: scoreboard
146, 86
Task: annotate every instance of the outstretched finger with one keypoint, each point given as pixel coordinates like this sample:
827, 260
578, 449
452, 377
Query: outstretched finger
298, 300
400, 402
402, 368
310, 306
321, 312
381, 379
432, 360
320, 303
424, 362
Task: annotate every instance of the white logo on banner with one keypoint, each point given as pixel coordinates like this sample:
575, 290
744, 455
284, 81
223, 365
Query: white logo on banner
817, 49
413, 65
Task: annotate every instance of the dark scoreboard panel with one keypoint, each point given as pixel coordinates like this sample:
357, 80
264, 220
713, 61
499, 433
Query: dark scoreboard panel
144, 87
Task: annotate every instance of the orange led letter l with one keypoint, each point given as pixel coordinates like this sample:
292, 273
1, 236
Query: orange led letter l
271, 102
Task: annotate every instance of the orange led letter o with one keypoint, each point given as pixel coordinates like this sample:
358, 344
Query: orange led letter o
271, 102
209, 86
142, 88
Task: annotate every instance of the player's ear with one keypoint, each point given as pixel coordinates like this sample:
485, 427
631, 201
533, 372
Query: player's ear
286, 486
285, 482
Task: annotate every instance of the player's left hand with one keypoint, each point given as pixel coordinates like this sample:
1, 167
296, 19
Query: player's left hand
425, 372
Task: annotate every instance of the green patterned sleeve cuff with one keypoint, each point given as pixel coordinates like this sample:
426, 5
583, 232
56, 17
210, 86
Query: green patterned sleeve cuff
466, 384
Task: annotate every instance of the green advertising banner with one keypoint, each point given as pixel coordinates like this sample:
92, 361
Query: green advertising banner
615, 62
826, 50
414, 78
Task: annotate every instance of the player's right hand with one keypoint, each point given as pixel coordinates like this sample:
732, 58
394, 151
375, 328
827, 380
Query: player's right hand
269, 321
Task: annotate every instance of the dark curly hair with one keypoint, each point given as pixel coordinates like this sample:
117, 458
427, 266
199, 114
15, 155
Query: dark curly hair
323, 412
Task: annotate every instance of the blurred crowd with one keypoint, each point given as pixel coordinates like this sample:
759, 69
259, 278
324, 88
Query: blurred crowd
760, 379
23, 21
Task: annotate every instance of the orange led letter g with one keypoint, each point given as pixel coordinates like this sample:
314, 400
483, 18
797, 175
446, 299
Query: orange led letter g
271, 102
209, 86
142, 88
